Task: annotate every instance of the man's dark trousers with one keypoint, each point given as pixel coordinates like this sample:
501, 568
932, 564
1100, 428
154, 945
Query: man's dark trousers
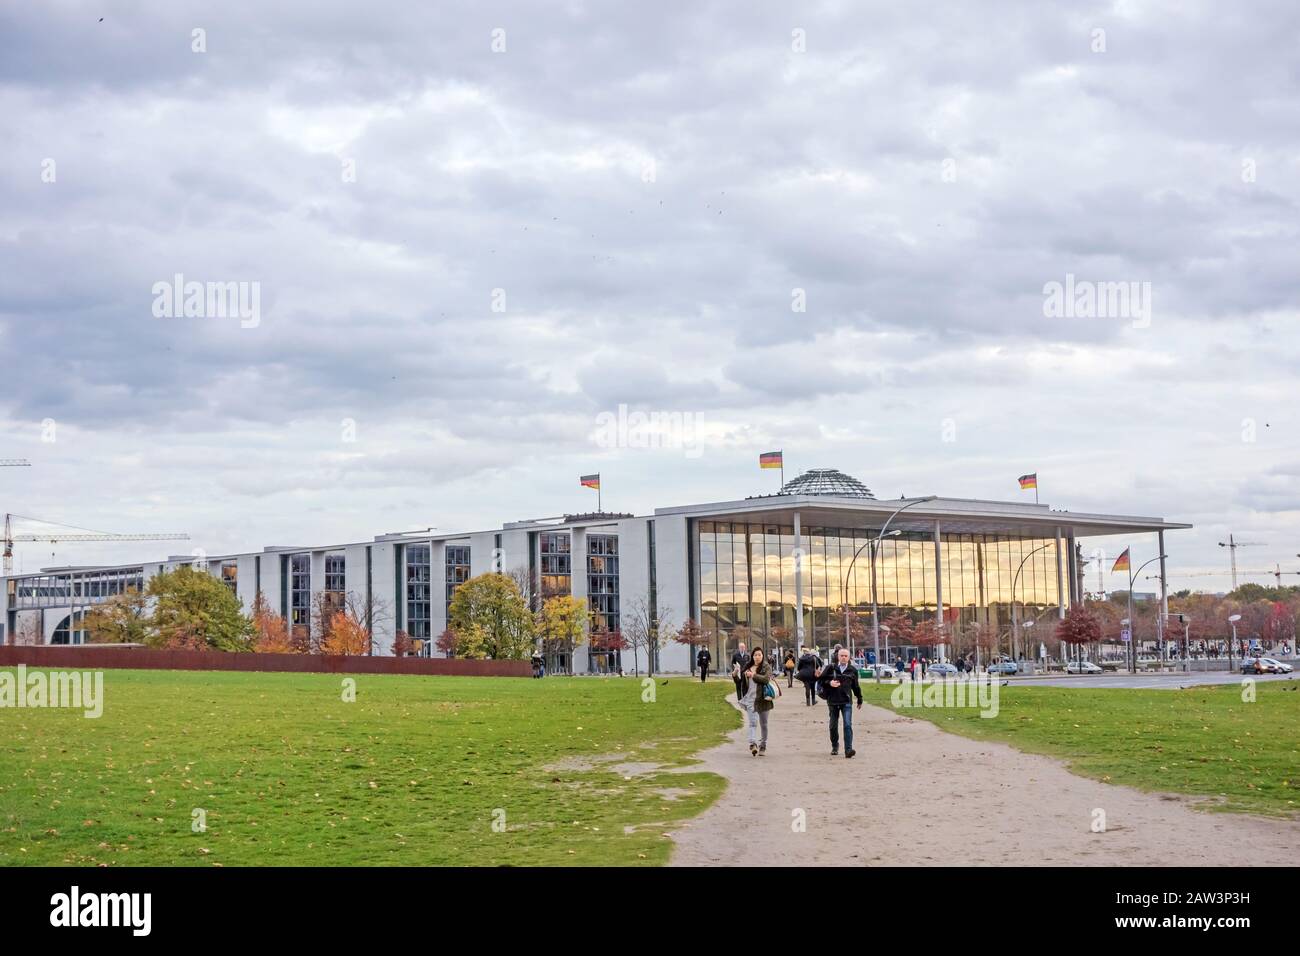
847, 711
704, 673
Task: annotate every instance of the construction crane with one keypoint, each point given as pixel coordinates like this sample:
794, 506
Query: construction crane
80, 535
1232, 545
15, 463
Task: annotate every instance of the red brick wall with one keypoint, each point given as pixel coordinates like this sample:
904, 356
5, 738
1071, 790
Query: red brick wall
93, 656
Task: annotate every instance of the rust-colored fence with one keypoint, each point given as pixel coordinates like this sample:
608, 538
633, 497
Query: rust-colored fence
94, 656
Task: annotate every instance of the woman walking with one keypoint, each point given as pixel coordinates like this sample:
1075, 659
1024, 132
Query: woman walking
757, 703
789, 667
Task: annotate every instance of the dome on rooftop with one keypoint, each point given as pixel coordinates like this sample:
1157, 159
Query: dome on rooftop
826, 481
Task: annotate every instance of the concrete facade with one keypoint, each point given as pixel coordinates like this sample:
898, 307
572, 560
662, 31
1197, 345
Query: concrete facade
378, 576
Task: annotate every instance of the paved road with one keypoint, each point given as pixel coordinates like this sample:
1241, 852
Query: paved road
1144, 681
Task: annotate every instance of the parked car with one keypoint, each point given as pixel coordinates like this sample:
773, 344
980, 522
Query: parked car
886, 671
1003, 667
942, 669
1267, 665
1082, 667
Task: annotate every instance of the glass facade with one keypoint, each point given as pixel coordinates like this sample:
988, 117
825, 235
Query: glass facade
457, 564
230, 576
300, 590
602, 596
602, 580
746, 578
418, 584
557, 563
78, 587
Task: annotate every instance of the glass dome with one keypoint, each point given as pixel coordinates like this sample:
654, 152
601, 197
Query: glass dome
826, 481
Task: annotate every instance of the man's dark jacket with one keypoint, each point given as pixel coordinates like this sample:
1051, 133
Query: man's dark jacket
848, 688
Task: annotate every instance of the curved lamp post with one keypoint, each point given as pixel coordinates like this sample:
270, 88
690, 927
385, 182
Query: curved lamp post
1132, 638
1233, 619
1015, 625
847, 574
875, 604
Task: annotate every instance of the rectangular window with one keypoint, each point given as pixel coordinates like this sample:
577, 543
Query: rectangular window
457, 565
556, 564
230, 576
417, 591
300, 590
602, 580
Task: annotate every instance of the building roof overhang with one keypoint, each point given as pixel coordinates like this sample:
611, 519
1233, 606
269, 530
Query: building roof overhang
955, 515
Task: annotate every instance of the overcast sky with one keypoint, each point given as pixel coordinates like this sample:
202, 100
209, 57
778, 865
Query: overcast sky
475, 227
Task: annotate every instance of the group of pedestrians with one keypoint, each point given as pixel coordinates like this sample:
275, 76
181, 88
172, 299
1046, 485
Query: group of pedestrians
758, 687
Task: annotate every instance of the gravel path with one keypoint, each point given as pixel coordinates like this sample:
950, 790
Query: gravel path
915, 795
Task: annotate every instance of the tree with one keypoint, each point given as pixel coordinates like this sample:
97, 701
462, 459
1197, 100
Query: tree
122, 619
782, 637
691, 634
641, 628
605, 641
1079, 627
447, 642
900, 626
985, 638
325, 605
492, 619
346, 635
562, 624
742, 634
1279, 626
27, 631
927, 635
270, 632
194, 610
858, 636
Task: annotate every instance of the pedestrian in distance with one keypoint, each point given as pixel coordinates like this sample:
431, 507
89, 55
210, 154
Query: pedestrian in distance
702, 660
807, 670
839, 684
758, 677
739, 664
789, 667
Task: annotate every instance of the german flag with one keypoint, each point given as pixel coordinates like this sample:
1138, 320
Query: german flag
770, 459
1028, 481
590, 481
1121, 563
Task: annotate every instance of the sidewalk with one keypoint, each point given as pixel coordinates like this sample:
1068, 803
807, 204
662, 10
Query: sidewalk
915, 795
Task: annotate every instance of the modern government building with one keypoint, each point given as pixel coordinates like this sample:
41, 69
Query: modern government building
790, 560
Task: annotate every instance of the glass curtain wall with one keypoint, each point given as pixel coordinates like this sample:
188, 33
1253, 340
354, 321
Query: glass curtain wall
746, 580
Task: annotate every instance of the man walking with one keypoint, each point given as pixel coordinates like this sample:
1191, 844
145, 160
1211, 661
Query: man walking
702, 660
839, 682
740, 664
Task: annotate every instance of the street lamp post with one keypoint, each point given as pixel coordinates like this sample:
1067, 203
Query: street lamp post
1015, 628
875, 602
1132, 638
845, 594
1233, 619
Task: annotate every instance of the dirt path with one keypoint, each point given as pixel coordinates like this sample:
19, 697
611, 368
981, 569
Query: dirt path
915, 795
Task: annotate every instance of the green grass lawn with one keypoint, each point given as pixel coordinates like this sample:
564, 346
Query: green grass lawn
1204, 741
410, 773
